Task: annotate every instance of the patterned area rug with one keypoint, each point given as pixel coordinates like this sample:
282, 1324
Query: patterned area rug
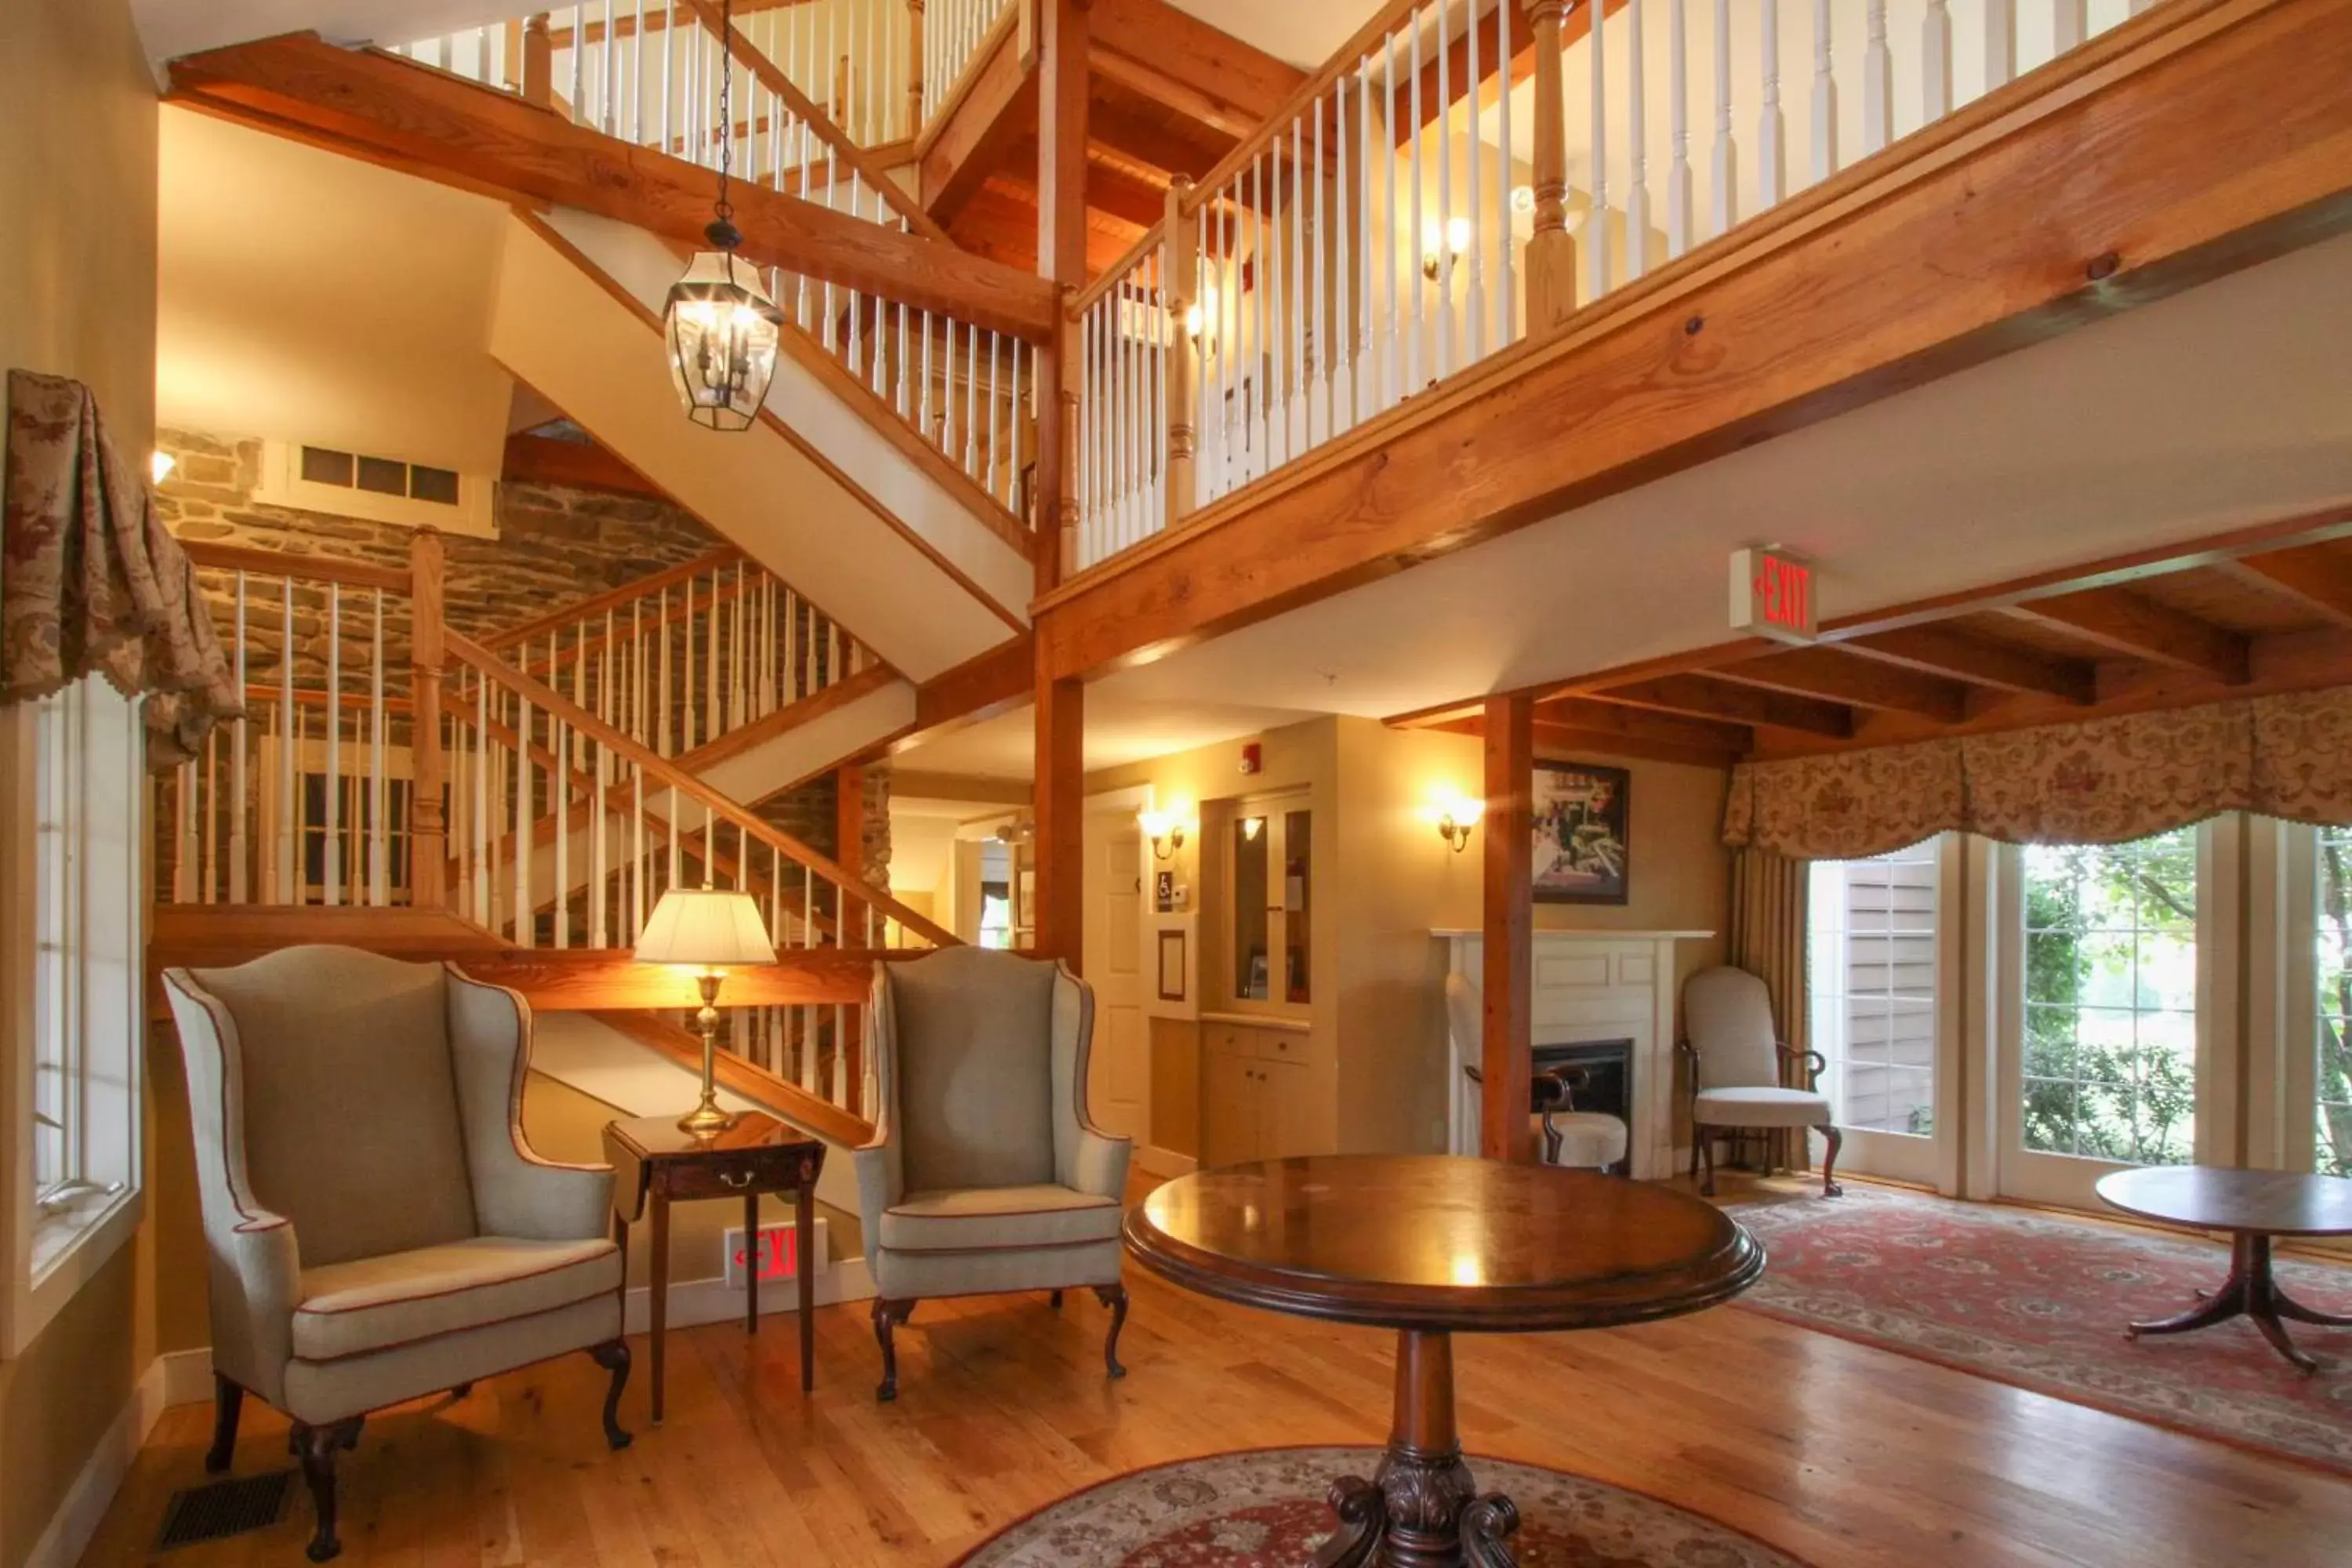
1263, 1509
2040, 1301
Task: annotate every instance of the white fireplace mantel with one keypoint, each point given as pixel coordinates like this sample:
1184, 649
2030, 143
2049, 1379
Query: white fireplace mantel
1589, 985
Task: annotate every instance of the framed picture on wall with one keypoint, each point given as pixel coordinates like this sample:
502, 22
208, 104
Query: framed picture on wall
1582, 827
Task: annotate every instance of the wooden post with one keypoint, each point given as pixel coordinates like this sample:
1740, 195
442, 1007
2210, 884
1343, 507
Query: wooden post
1507, 1057
849, 849
1551, 250
839, 111
1062, 82
538, 63
914, 67
1059, 800
428, 819
1180, 271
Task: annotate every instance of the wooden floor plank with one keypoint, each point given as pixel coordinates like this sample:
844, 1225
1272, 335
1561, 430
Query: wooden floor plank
1848, 1456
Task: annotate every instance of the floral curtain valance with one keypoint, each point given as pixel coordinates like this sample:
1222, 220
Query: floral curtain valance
91, 580
2102, 780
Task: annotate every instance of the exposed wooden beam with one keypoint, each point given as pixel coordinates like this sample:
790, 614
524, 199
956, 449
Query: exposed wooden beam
1568, 741
974, 789
1114, 125
1703, 698
1206, 75
441, 127
1633, 725
993, 110
2194, 140
1058, 795
1938, 651
2140, 628
2317, 581
1507, 1031
1826, 672
982, 686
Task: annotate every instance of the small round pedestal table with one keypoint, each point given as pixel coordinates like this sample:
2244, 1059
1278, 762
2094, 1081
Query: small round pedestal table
2254, 1207
1431, 1246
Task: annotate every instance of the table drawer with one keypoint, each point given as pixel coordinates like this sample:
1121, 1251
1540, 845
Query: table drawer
729, 1174
1281, 1045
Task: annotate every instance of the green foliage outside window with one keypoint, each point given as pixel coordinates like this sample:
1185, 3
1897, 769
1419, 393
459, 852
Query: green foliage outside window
2110, 999
2333, 1153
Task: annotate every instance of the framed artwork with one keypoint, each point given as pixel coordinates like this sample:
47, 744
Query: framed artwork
1582, 826
1172, 967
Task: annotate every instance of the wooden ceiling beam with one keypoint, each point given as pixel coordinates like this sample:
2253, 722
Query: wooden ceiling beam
1634, 723
1208, 76
1117, 125
2139, 627
1700, 698
442, 127
1835, 676
993, 110
2317, 581
1938, 651
1561, 740
580, 465
2196, 175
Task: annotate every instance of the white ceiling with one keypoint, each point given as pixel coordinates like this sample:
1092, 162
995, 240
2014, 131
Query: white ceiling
2225, 404
295, 299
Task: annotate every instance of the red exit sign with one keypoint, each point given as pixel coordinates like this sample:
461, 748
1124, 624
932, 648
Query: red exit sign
1772, 595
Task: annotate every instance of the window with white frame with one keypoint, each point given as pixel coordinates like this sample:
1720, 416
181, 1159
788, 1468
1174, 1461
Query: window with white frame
2110, 1002
81, 1017
2332, 1075
1870, 956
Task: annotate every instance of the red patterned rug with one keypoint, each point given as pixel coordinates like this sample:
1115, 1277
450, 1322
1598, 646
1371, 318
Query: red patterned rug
1265, 1508
2039, 1300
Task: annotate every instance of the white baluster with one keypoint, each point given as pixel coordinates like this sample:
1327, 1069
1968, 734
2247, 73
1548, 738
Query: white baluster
609, 115
288, 795
1726, 167
1419, 235
238, 890
207, 803
1824, 96
379, 828
524, 934
558, 812
1999, 42
1936, 62
2069, 25
1637, 197
1392, 372
1678, 168
578, 58
1445, 355
1877, 82
1596, 227
1771, 154
334, 819
480, 838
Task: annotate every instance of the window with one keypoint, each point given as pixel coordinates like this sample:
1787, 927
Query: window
1871, 961
1272, 875
381, 489
77, 1027
2332, 1085
2110, 1001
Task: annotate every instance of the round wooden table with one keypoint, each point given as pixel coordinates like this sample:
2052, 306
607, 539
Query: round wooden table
2254, 1207
1430, 1246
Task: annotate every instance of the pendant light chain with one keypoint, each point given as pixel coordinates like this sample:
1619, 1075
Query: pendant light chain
726, 118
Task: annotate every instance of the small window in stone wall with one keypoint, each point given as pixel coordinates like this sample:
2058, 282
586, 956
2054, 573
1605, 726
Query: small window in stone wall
381, 489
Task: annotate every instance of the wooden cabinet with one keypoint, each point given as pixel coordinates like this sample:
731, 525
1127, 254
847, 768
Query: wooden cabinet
1255, 1099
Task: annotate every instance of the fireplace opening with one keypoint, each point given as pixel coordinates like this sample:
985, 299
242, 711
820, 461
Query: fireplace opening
1609, 1068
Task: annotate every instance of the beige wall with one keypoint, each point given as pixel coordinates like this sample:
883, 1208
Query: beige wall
1383, 881
77, 299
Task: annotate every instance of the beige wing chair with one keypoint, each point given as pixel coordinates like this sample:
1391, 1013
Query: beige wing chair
1736, 1060
984, 1174
1582, 1139
378, 1228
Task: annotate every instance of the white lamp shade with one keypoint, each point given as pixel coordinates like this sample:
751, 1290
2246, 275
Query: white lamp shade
708, 929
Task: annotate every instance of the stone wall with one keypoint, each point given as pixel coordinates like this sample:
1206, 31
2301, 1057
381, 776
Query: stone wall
810, 815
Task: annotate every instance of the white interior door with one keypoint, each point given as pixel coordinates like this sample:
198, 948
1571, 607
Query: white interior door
1119, 1091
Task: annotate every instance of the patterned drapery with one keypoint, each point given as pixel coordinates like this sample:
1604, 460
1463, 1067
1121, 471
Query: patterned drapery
2100, 781
91, 580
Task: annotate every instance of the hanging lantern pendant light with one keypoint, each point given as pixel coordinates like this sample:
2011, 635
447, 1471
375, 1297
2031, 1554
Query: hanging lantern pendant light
721, 328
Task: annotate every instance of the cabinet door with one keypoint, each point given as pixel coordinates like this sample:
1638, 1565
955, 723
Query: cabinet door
1286, 1125
1229, 1107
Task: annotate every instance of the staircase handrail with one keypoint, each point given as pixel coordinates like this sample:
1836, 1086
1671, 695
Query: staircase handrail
613, 599
499, 672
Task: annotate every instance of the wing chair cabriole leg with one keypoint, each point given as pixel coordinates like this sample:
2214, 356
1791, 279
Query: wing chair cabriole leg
1834, 1139
612, 1356
1115, 1298
317, 1448
1704, 1155
228, 1403
887, 1315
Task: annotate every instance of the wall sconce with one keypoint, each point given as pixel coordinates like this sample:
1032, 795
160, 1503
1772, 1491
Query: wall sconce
1441, 249
1167, 834
1456, 819
1201, 319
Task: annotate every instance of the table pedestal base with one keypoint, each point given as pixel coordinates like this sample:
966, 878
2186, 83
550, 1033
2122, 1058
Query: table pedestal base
1421, 1509
2250, 1292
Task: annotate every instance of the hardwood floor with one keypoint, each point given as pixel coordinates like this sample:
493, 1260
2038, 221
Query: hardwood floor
1846, 1456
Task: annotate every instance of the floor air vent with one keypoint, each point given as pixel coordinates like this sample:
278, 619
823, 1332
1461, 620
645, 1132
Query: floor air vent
224, 1508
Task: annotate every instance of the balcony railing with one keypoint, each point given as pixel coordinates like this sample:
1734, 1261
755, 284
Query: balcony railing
1463, 172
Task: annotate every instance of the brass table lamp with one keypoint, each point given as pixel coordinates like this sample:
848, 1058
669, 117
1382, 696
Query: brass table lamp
710, 932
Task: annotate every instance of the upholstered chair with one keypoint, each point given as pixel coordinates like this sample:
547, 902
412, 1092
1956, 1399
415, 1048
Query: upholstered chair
984, 1174
1584, 1140
378, 1228
1738, 1066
